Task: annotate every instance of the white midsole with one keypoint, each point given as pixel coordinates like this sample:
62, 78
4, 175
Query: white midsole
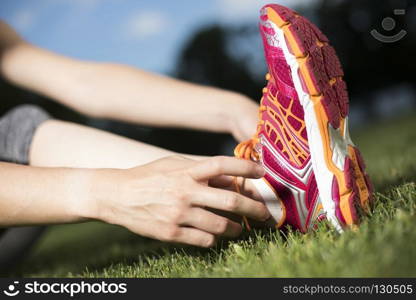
323, 175
271, 200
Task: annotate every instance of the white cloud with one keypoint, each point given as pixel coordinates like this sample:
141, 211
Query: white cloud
249, 9
81, 4
24, 19
240, 8
145, 24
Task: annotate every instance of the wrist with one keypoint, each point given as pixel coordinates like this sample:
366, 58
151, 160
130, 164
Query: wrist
242, 117
90, 189
233, 105
104, 188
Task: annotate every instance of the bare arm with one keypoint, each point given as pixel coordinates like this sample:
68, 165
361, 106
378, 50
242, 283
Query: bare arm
31, 195
163, 200
124, 93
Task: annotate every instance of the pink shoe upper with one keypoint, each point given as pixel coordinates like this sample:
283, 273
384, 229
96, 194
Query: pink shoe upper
283, 144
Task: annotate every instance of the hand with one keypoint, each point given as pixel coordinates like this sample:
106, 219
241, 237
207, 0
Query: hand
166, 199
244, 119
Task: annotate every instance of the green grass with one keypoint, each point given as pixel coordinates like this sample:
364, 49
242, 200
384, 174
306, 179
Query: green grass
383, 246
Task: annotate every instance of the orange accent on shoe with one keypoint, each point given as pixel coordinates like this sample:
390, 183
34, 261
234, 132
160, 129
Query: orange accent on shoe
238, 190
360, 180
317, 209
276, 18
282, 220
268, 76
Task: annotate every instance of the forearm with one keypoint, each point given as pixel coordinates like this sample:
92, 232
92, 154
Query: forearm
30, 195
141, 97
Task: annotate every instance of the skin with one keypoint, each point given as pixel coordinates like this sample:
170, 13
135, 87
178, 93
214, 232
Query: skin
165, 199
114, 91
78, 173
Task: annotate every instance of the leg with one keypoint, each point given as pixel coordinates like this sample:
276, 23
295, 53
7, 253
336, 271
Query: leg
64, 144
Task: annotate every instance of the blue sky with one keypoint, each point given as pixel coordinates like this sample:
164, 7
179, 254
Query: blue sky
145, 34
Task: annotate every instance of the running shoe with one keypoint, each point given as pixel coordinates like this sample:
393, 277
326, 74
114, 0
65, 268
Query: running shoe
302, 138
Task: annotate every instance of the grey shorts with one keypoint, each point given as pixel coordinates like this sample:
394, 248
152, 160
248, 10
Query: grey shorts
17, 128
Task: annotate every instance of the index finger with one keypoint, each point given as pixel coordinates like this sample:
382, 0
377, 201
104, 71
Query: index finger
224, 165
230, 202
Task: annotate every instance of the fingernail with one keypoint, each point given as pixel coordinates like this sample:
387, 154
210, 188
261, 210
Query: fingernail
267, 215
210, 243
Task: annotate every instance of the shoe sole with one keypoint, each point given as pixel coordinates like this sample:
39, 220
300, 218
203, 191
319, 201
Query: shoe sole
317, 74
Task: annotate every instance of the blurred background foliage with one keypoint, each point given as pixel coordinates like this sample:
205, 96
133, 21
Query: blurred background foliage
228, 54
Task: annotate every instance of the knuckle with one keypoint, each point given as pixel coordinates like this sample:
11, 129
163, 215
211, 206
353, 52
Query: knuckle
221, 158
248, 166
263, 211
177, 214
171, 233
217, 164
180, 198
208, 242
221, 226
231, 202
251, 166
